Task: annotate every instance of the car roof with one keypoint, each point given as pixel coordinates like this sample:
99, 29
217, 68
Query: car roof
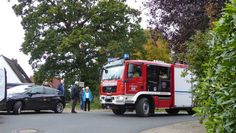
22, 88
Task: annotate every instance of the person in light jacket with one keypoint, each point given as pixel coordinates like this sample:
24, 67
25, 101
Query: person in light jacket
87, 98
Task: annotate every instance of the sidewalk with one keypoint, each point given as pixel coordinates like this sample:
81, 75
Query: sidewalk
183, 127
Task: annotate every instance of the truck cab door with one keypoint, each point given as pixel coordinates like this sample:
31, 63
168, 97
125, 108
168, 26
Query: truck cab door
134, 76
3, 87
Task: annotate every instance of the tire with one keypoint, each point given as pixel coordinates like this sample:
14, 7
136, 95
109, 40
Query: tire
142, 107
8, 111
152, 111
37, 111
17, 107
172, 111
59, 108
118, 111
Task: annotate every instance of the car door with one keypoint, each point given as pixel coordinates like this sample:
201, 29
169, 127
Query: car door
36, 99
50, 98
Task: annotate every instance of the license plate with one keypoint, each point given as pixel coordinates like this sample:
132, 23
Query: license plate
108, 97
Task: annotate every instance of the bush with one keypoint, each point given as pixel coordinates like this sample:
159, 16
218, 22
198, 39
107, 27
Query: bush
216, 76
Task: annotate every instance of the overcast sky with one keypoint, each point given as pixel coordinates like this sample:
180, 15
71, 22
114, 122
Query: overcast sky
12, 33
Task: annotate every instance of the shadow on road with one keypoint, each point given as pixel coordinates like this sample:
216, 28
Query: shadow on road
27, 113
157, 114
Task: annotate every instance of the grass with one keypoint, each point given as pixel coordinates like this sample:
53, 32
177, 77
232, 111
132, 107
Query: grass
95, 104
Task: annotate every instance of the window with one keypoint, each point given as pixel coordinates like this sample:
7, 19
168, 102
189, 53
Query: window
111, 73
50, 91
164, 72
152, 78
37, 89
163, 79
134, 71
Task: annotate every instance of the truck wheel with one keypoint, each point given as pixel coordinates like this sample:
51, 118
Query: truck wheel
118, 111
142, 107
152, 111
17, 107
172, 111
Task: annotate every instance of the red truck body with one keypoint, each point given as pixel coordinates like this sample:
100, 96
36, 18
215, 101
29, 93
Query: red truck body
144, 86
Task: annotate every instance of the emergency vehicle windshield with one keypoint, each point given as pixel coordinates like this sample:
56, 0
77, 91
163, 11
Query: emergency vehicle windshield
113, 73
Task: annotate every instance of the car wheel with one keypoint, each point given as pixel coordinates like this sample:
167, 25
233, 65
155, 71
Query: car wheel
59, 108
142, 107
17, 107
8, 111
37, 111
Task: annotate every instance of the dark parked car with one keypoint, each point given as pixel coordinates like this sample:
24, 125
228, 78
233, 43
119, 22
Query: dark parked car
34, 97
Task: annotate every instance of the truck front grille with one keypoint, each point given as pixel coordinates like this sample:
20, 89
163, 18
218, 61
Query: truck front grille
109, 89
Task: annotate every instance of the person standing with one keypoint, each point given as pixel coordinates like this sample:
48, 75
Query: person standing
45, 83
61, 87
87, 98
75, 95
82, 102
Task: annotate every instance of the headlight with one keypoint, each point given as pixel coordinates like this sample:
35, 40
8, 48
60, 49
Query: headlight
120, 98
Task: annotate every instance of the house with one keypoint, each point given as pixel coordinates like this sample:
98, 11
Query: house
15, 74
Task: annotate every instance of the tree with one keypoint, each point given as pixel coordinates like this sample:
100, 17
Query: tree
155, 49
73, 38
178, 20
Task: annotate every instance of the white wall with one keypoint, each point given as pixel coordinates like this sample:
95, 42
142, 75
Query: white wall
183, 90
11, 76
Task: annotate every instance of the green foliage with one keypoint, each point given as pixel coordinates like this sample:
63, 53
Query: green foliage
95, 104
197, 53
156, 48
215, 68
179, 19
72, 39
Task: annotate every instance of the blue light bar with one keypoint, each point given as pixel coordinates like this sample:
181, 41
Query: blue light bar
126, 56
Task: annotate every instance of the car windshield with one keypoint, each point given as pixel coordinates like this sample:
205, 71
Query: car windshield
112, 73
18, 89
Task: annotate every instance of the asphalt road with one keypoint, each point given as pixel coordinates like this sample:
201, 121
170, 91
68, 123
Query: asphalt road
84, 122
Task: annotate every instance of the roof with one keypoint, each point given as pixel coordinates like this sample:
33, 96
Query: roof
160, 63
18, 70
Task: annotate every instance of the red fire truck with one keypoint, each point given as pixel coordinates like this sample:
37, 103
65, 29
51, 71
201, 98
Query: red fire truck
143, 86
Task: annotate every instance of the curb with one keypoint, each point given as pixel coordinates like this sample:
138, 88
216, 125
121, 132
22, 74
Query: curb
182, 127
68, 110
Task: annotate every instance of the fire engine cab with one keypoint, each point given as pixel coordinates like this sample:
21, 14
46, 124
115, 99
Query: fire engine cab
144, 86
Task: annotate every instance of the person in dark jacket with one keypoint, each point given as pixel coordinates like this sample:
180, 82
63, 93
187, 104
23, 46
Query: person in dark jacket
61, 87
75, 95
